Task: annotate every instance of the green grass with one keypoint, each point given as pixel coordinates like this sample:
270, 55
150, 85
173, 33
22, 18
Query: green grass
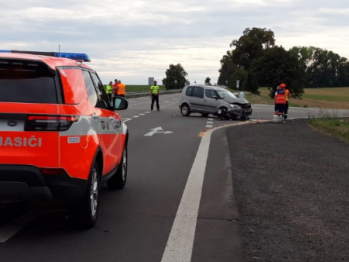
332, 98
336, 127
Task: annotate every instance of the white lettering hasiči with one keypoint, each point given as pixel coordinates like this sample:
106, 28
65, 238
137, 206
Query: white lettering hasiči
20, 141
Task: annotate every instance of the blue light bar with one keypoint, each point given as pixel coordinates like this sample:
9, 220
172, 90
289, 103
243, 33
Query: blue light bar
74, 56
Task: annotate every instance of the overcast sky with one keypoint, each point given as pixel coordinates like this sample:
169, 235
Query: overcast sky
132, 40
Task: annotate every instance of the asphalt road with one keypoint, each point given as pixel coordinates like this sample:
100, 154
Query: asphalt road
143, 221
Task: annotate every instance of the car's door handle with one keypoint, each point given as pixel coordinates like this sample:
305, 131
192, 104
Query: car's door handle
95, 116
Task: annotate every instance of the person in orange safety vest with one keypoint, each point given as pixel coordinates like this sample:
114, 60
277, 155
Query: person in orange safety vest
280, 100
287, 94
121, 89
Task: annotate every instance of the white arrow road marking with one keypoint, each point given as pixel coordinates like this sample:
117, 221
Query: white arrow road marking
13, 227
158, 130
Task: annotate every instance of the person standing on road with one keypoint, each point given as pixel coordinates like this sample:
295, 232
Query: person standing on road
115, 87
280, 101
154, 92
121, 89
109, 90
287, 95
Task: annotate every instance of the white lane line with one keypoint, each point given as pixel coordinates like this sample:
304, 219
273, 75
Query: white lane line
13, 227
126, 119
210, 119
135, 116
179, 246
181, 240
209, 126
210, 122
147, 112
141, 114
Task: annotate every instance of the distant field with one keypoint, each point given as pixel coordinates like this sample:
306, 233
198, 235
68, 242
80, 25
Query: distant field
139, 88
333, 98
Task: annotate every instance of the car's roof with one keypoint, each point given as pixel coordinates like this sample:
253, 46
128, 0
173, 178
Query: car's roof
51, 61
210, 87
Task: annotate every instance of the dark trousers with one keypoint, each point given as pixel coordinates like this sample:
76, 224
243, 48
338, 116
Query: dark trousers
122, 95
153, 99
286, 110
280, 108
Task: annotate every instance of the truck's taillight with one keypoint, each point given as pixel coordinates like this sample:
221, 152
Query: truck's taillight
49, 123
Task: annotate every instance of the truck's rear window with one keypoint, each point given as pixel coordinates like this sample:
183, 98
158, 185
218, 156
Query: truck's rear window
26, 81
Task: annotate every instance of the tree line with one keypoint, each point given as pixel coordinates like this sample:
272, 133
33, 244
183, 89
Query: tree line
256, 61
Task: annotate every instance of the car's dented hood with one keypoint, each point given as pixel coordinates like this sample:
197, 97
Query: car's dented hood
235, 100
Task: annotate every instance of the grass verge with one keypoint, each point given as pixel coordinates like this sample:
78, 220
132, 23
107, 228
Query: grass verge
333, 126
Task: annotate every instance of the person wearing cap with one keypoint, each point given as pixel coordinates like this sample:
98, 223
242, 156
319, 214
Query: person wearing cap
154, 92
280, 101
287, 94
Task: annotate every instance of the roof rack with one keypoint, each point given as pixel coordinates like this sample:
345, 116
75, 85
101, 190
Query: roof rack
81, 57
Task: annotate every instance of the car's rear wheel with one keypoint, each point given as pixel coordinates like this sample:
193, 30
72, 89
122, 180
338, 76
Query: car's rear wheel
84, 214
185, 110
118, 180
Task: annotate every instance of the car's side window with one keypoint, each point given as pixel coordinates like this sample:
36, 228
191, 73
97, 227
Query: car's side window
90, 88
189, 91
198, 92
101, 91
210, 93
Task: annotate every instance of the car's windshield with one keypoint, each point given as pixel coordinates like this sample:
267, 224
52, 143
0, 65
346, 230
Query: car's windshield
226, 93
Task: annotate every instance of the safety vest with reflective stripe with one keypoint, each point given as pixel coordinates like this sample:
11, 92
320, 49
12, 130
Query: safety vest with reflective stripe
121, 89
280, 97
109, 89
154, 89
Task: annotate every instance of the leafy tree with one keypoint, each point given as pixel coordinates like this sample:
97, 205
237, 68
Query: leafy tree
279, 66
251, 46
240, 75
227, 69
251, 85
208, 81
173, 74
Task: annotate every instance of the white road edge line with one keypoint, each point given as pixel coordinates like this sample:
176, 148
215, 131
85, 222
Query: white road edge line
135, 116
209, 126
126, 120
179, 246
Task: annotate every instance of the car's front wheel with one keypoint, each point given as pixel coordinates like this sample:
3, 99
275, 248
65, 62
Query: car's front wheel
185, 110
84, 214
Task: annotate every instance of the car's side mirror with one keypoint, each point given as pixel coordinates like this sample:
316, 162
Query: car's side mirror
120, 103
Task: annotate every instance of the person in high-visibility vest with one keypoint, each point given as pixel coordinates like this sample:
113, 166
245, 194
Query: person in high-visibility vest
280, 101
287, 95
109, 90
121, 89
154, 92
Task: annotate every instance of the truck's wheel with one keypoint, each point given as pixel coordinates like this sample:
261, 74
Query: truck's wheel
84, 214
118, 180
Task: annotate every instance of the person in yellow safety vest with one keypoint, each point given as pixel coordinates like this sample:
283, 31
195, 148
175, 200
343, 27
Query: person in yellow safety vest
280, 101
287, 94
121, 89
109, 90
154, 92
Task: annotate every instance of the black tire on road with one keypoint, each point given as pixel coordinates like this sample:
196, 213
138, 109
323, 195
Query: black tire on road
185, 110
118, 180
84, 214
